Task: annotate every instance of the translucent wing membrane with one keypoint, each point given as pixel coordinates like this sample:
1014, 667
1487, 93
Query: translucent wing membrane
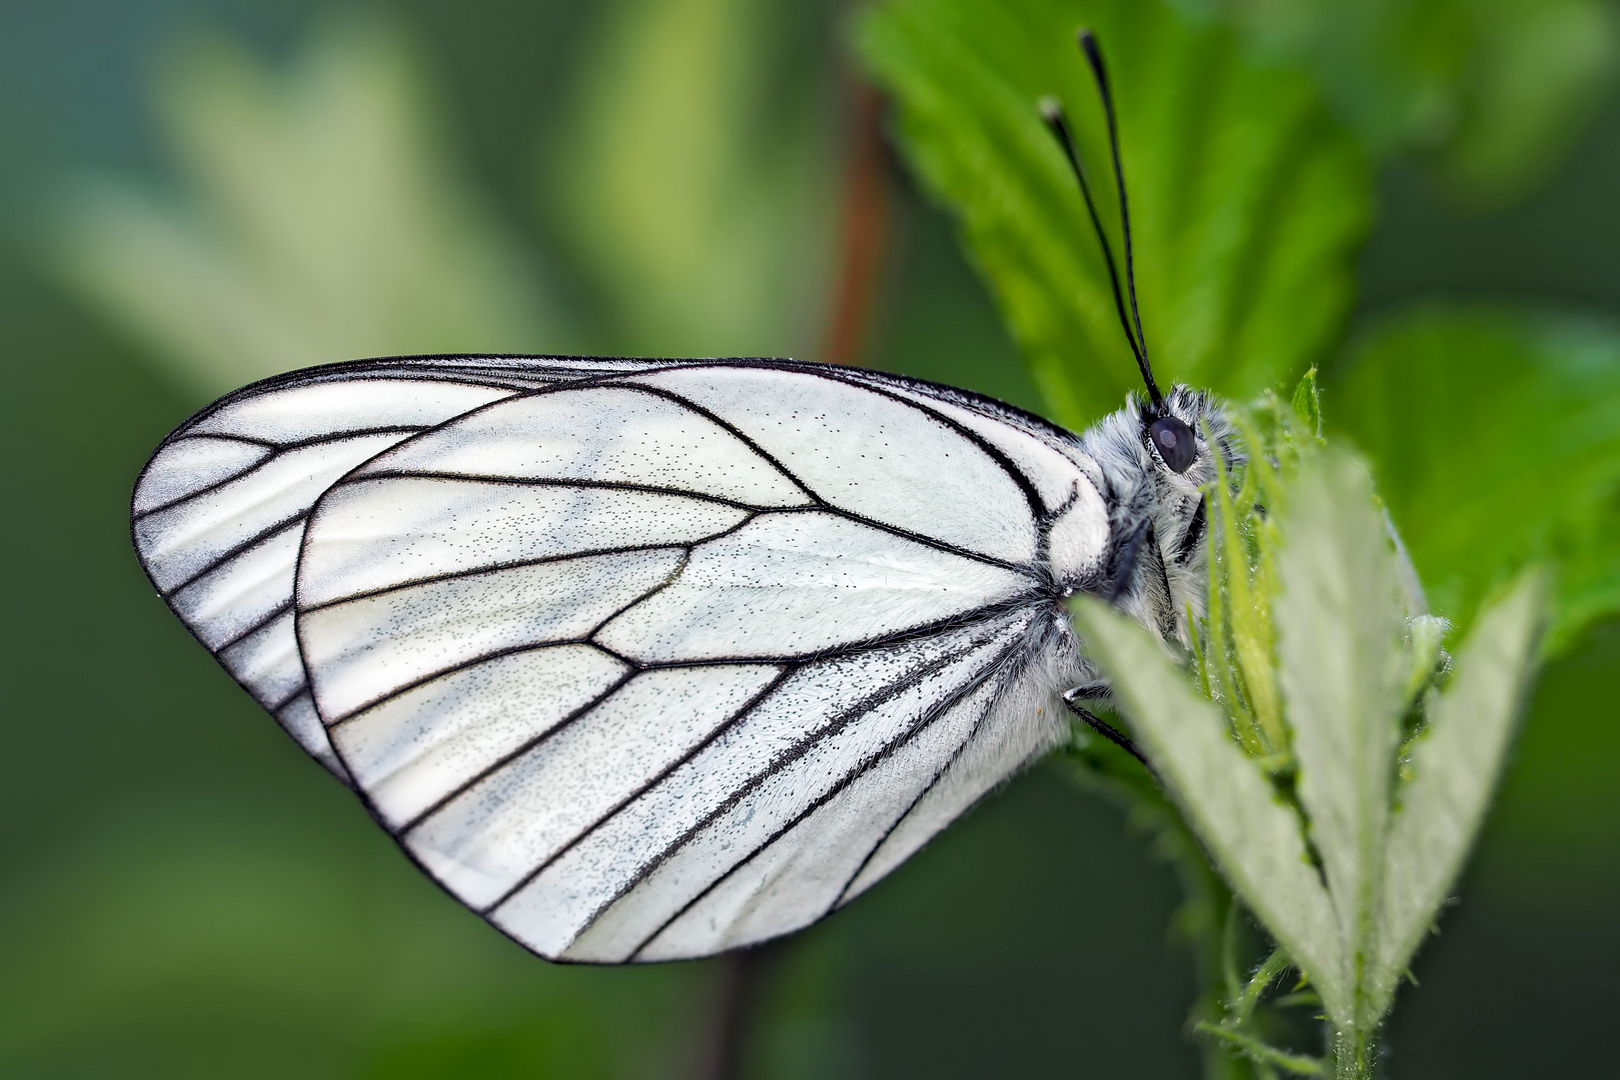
639, 659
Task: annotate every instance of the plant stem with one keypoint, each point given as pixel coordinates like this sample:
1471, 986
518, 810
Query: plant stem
1352, 1055
734, 1014
865, 230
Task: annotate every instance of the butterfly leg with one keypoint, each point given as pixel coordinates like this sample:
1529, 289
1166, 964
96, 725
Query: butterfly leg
1096, 690
1088, 693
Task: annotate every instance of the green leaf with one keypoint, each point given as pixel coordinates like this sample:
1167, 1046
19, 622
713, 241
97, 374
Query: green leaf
1254, 837
1454, 767
1342, 671
1493, 91
1247, 200
699, 196
321, 222
1539, 70
1495, 439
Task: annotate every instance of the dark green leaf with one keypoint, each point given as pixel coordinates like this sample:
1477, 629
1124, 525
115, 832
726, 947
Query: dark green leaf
1493, 91
1247, 200
1495, 437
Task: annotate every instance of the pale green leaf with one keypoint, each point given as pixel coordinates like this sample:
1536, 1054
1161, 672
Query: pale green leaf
1255, 838
699, 198
320, 222
1454, 767
1495, 438
1247, 200
1342, 670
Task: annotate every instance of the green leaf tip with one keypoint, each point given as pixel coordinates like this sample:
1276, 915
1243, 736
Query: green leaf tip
1454, 765
1307, 403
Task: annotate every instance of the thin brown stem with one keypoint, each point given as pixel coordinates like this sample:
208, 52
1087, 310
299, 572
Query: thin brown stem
740, 978
865, 232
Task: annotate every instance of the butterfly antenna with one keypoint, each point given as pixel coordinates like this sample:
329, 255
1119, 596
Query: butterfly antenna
1057, 122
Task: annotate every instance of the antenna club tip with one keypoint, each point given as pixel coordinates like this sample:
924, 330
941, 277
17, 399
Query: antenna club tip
1089, 46
1050, 108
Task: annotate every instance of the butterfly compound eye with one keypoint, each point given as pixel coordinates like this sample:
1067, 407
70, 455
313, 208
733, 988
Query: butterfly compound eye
1174, 441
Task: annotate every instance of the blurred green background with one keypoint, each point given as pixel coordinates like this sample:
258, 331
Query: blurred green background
195, 193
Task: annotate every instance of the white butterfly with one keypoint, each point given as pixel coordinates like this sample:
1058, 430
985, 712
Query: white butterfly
649, 659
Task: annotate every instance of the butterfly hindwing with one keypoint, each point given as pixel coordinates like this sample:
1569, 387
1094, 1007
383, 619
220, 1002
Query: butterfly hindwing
218, 512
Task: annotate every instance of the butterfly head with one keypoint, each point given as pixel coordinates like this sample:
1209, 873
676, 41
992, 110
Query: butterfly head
1157, 511
1176, 432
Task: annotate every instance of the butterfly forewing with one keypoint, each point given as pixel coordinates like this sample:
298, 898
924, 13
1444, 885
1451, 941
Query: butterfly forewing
640, 662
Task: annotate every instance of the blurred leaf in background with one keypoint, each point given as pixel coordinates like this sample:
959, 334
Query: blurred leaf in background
186, 890
321, 221
1494, 92
697, 184
1248, 200
1497, 436
168, 948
